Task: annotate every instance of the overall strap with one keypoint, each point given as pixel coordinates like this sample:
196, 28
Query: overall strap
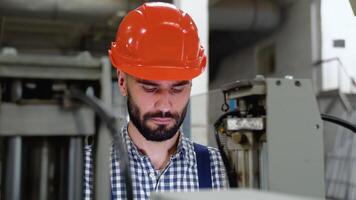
203, 165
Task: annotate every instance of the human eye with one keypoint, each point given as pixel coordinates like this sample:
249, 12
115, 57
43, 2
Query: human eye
149, 88
178, 89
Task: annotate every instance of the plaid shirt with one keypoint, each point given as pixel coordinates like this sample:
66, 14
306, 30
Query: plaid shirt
180, 173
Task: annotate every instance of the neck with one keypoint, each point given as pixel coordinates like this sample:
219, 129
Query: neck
158, 152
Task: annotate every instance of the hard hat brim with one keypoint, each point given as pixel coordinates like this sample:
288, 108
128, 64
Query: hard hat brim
159, 72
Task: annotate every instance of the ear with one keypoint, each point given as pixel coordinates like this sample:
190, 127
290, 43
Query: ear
122, 82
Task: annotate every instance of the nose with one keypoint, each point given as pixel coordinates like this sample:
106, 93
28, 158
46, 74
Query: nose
164, 102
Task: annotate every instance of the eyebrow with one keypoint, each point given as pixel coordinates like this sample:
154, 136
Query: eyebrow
181, 83
147, 82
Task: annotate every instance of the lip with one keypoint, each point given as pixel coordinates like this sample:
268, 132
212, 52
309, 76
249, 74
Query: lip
161, 120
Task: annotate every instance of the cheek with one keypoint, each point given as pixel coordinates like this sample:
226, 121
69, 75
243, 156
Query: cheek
145, 103
142, 101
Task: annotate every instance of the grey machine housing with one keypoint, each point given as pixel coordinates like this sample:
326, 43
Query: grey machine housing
275, 141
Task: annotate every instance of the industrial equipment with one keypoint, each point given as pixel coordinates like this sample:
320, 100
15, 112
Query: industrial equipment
42, 128
271, 136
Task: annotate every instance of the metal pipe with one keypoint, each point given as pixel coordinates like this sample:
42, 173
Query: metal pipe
75, 168
244, 15
13, 169
263, 166
44, 165
81, 10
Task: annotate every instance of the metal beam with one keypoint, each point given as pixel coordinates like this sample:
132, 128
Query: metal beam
44, 120
82, 67
89, 11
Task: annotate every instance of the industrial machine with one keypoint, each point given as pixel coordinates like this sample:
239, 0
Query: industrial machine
271, 136
43, 126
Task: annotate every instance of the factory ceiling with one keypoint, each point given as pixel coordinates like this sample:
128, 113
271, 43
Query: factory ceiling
61, 26
66, 27
236, 24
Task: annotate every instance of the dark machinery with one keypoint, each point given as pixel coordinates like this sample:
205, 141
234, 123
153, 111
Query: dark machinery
43, 131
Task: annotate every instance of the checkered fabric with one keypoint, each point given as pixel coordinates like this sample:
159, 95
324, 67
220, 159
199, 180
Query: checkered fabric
180, 173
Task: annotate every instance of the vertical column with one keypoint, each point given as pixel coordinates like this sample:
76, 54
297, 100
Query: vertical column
198, 10
14, 151
13, 169
102, 156
315, 15
75, 168
44, 166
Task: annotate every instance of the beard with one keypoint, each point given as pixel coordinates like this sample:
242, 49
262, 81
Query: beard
161, 132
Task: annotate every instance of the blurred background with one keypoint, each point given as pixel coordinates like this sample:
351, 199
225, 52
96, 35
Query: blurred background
48, 47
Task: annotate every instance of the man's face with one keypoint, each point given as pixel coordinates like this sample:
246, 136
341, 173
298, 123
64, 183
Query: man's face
157, 108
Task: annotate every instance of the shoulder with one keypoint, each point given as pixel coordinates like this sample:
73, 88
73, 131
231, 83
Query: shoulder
214, 152
215, 159
217, 168
188, 145
216, 162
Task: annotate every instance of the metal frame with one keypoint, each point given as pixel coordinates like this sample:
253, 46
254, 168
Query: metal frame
48, 120
291, 156
82, 67
44, 120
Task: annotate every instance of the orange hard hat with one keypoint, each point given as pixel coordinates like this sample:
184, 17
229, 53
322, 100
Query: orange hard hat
157, 41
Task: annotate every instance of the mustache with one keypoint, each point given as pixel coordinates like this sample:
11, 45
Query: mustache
161, 114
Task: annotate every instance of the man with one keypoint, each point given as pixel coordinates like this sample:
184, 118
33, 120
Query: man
157, 54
